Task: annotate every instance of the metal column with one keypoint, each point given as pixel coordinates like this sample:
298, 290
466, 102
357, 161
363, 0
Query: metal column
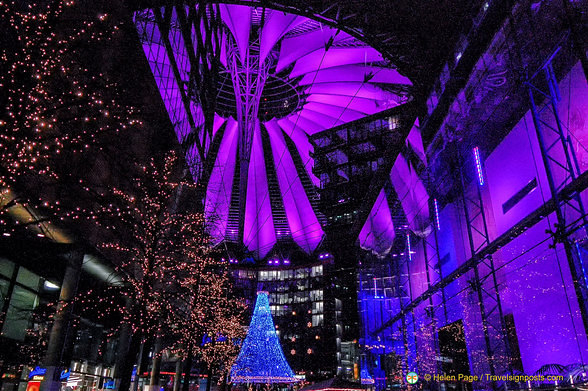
402, 273
249, 74
434, 275
557, 154
488, 296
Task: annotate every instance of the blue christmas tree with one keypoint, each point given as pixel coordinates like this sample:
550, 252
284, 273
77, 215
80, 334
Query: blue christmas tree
365, 376
261, 359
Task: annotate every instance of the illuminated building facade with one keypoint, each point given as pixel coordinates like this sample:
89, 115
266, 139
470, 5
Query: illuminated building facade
473, 254
249, 96
433, 209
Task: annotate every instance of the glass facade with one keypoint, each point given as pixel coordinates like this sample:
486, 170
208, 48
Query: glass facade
20, 290
463, 253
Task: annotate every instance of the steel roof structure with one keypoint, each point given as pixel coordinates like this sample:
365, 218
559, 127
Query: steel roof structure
244, 88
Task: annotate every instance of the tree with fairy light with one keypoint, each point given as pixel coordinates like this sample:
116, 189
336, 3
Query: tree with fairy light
177, 287
34, 346
220, 328
55, 104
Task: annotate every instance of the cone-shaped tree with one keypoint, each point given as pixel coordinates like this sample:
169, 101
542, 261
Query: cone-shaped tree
365, 376
261, 359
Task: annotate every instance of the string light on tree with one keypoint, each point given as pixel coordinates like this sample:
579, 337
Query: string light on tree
54, 106
175, 283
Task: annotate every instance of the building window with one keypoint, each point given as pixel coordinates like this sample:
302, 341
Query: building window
317, 307
302, 273
6, 268
393, 123
316, 271
22, 304
316, 295
317, 320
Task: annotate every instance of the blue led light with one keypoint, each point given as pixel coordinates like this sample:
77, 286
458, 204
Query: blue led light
479, 166
376, 296
261, 359
408, 247
437, 222
365, 376
65, 374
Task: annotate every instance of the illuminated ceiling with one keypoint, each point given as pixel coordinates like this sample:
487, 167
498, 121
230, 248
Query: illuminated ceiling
281, 77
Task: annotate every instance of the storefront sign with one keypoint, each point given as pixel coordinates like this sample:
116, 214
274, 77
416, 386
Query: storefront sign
37, 374
65, 374
33, 386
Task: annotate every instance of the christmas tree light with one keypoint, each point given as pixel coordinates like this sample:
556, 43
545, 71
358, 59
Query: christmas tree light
261, 359
365, 376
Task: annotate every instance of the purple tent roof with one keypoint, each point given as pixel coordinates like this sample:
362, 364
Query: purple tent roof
331, 76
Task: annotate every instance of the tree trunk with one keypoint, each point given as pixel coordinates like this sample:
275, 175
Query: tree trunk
224, 383
123, 349
209, 379
156, 364
187, 370
126, 371
178, 375
140, 365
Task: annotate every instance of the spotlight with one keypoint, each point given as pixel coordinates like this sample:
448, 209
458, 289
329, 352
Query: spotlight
50, 286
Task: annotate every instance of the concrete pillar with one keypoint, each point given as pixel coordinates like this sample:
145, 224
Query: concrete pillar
123, 349
139, 368
54, 357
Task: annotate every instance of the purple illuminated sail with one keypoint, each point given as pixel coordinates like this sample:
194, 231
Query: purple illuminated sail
377, 235
283, 77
